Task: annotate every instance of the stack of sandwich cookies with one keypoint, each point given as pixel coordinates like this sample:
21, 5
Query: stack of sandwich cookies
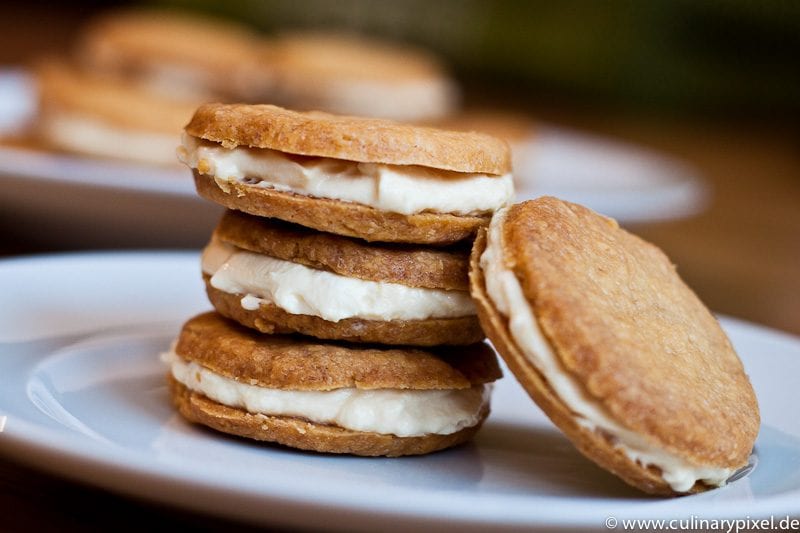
326, 397
372, 179
614, 347
376, 343
279, 277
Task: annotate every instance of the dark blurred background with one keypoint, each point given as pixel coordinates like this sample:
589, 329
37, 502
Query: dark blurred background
715, 58
709, 57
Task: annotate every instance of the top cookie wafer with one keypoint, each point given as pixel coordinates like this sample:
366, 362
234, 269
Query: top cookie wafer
365, 140
617, 350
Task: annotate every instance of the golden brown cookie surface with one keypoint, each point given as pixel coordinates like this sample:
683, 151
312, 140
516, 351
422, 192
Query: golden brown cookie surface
302, 363
414, 266
629, 331
365, 140
336, 216
305, 435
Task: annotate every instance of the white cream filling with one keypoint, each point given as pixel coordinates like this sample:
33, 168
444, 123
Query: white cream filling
506, 294
92, 136
302, 290
399, 189
405, 413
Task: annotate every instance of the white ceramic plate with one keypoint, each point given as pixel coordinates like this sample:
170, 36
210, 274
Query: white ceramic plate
83, 395
618, 179
102, 202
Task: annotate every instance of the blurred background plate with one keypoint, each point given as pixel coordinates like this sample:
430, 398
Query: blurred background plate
60, 200
621, 180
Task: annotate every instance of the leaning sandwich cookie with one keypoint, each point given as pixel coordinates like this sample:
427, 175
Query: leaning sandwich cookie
279, 278
368, 178
607, 339
327, 397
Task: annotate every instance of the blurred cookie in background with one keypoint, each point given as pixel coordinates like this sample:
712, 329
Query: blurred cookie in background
355, 75
177, 53
83, 113
135, 77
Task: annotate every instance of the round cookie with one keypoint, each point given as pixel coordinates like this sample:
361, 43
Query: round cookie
425, 271
359, 76
176, 53
215, 351
81, 112
373, 179
607, 339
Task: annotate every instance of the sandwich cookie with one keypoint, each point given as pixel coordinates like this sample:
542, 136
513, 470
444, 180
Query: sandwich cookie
327, 397
277, 277
623, 357
354, 75
176, 53
84, 113
369, 178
